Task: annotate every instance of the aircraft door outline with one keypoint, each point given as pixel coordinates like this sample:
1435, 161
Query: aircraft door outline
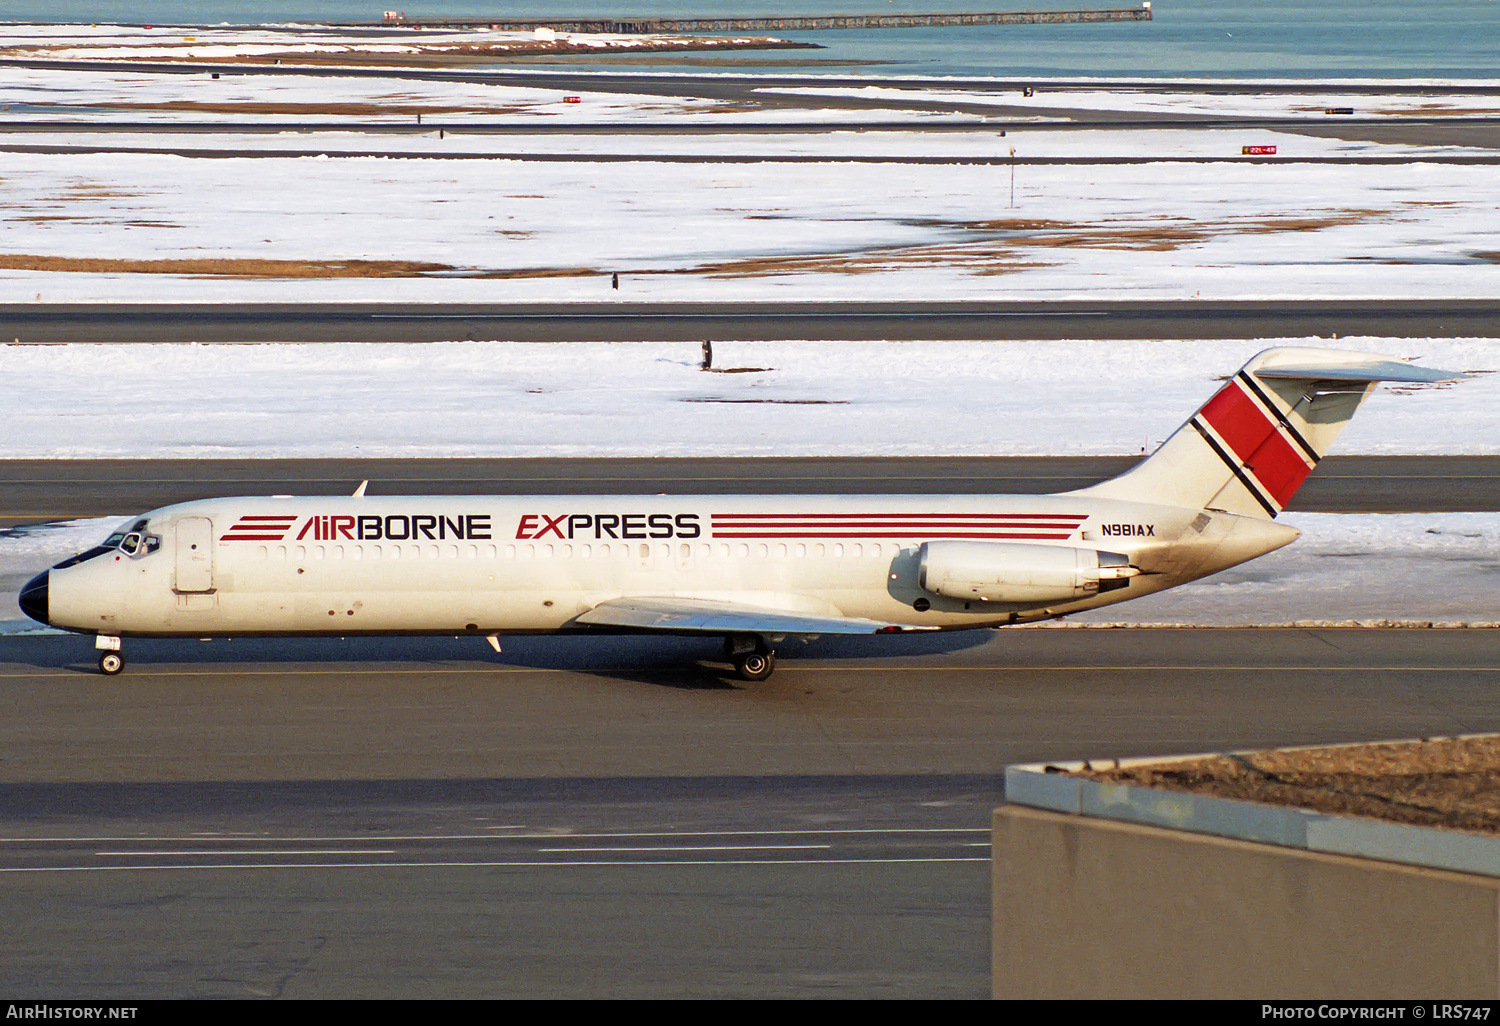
195, 555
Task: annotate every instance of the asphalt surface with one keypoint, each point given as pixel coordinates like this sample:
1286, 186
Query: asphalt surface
626, 321
603, 817
41, 491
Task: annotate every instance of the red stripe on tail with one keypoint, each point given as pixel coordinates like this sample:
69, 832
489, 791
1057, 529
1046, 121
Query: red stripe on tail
1263, 450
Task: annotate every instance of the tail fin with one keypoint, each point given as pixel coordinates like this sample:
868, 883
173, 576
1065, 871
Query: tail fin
1253, 444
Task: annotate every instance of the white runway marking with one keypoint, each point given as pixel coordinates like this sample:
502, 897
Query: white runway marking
240, 853
486, 865
712, 847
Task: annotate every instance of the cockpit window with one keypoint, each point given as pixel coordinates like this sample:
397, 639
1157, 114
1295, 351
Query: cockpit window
134, 542
137, 543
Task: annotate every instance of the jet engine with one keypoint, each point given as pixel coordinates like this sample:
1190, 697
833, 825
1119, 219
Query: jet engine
1017, 572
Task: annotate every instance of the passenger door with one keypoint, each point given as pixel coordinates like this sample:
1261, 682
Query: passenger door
195, 554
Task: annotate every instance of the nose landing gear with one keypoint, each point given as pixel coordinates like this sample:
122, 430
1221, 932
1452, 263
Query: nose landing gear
111, 659
753, 659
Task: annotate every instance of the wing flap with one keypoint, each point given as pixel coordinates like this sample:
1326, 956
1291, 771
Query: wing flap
709, 616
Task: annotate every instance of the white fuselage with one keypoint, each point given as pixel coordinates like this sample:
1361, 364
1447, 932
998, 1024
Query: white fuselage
493, 565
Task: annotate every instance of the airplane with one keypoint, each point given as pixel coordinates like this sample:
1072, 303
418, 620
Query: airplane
752, 570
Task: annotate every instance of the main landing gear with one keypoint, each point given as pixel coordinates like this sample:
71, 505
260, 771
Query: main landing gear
753, 659
111, 659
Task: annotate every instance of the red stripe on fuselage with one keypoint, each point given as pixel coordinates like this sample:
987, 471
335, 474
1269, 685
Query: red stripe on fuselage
819, 534
1255, 440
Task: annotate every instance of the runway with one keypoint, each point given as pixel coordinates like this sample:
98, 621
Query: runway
44, 491
47, 323
603, 817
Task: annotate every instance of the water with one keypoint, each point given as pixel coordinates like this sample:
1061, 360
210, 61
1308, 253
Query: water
1194, 38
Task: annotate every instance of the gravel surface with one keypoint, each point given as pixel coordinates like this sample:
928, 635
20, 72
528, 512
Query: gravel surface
1447, 782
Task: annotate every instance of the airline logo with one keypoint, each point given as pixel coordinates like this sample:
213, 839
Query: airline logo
976, 526
1248, 431
395, 527
269, 527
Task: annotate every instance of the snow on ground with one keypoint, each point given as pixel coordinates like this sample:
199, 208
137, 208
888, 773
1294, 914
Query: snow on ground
1165, 98
292, 44
651, 399
1414, 568
522, 231
101, 97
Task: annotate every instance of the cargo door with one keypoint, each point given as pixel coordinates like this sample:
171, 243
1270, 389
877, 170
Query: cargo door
195, 554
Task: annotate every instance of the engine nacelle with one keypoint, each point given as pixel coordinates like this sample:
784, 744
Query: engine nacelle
1017, 572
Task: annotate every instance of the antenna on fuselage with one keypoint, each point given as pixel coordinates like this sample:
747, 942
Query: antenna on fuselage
359, 493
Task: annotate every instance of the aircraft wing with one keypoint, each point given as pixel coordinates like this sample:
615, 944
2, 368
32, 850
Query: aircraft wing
709, 616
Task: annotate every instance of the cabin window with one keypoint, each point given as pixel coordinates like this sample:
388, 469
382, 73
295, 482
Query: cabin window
510, 552
261, 552
838, 550
781, 550
705, 550
801, 550
856, 549
818, 549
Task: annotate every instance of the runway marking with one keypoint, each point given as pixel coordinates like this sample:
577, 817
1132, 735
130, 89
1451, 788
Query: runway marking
487, 865
719, 315
548, 836
676, 847
237, 852
788, 668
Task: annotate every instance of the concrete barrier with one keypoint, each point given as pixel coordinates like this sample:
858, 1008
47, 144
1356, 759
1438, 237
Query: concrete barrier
1106, 891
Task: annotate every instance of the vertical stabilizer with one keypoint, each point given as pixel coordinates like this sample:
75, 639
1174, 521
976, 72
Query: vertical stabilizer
1250, 447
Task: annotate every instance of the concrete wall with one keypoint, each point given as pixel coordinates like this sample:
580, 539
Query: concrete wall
1091, 908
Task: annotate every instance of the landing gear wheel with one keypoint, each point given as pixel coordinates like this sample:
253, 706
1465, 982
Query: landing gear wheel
755, 665
111, 663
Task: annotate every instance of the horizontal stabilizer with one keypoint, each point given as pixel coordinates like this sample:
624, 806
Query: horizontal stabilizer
1249, 448
710, 616
1374, 370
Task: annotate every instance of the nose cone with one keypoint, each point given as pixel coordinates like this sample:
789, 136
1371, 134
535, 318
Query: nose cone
33, 597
